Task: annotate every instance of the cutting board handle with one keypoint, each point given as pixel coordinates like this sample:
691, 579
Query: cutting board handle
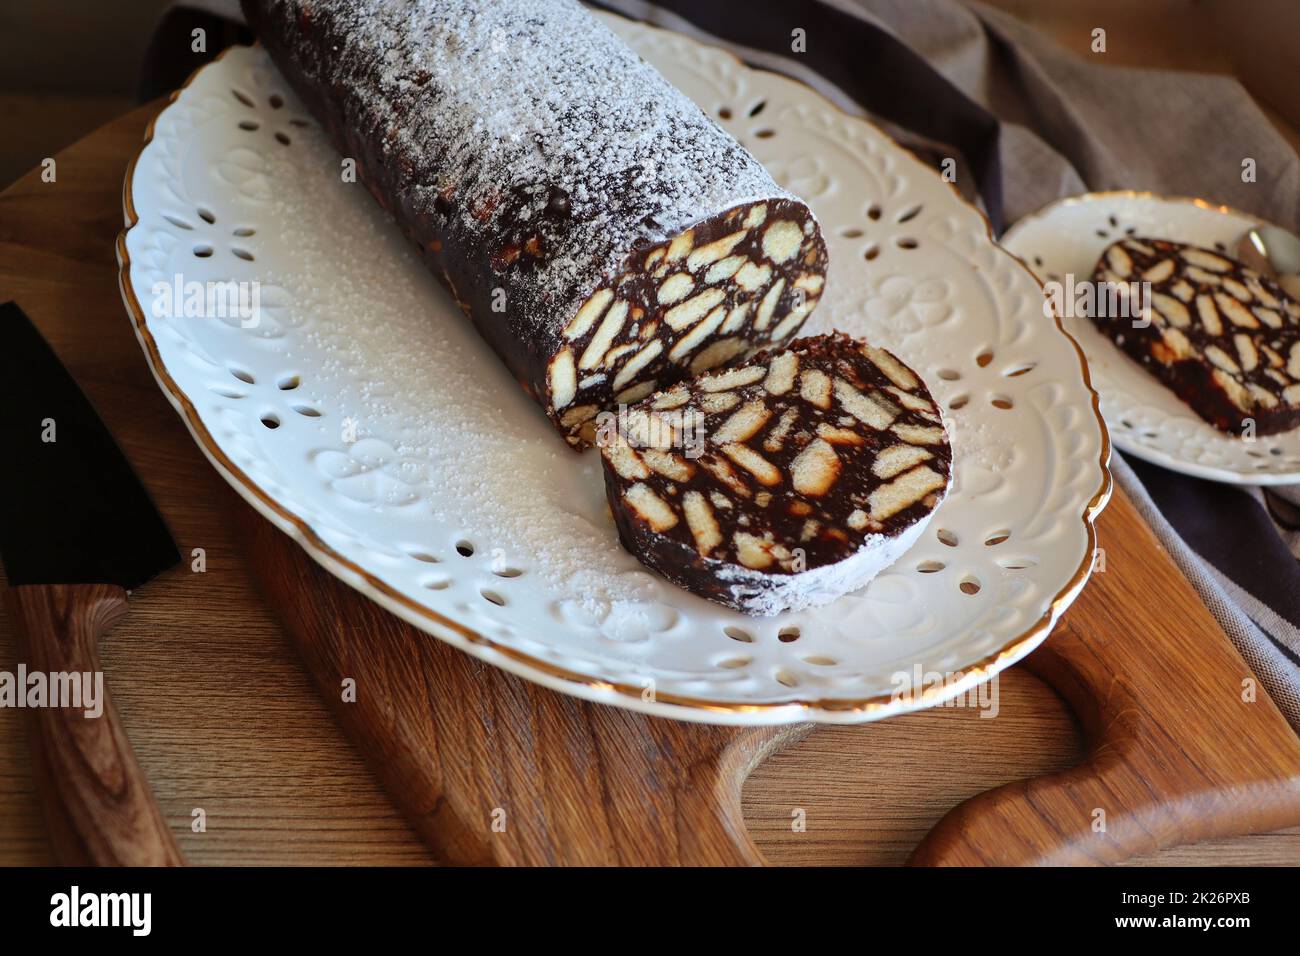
1182, 745
99, 810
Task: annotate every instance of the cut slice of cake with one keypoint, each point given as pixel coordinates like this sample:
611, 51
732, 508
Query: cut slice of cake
783, 482
1223, 337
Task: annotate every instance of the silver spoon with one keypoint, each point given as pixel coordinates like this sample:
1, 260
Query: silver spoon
1275, 253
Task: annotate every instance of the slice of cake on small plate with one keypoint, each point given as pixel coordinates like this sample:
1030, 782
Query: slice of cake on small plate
1223, 337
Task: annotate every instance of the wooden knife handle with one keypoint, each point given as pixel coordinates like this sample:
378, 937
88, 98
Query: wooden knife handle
1182, 746
98, 806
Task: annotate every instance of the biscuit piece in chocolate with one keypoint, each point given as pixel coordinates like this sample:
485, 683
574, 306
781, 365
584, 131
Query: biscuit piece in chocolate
1223, 337
603, 234
781, 483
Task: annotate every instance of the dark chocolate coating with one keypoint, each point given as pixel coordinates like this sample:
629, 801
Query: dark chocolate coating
540, 187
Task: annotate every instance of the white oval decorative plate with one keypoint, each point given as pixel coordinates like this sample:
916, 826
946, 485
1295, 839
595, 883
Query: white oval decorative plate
363, 416
1146, 419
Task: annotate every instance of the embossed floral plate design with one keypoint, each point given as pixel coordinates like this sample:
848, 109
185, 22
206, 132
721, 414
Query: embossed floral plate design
1145, 418
365, 418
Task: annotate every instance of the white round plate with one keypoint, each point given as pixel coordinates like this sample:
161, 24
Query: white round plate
363, 416
1145, 418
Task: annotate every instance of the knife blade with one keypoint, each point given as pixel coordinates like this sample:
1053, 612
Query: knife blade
72, 511
77, 530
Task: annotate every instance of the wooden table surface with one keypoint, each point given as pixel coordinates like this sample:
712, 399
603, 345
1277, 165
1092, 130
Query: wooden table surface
225, 720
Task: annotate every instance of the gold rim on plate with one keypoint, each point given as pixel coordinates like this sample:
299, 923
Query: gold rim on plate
1083, 198
980, 670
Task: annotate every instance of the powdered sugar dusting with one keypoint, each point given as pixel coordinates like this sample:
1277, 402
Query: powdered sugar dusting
519, 109
428, 406
765, 595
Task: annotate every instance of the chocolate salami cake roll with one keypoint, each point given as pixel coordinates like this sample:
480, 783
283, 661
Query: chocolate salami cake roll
602, 233
1223, 337
780, 483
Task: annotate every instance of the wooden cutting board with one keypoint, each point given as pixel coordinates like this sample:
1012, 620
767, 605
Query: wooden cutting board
490, 769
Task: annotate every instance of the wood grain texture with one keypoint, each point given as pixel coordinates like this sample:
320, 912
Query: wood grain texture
447, 732
99, 810
1182, 746
492, 769
224, 718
